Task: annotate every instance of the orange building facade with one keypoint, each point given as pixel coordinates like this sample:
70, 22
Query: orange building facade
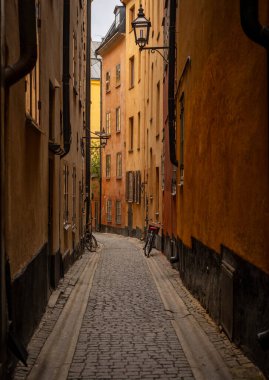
112, 51
222, 193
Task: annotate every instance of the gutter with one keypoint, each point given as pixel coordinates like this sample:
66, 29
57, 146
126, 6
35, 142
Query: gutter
28, 44
171, 83
66, 78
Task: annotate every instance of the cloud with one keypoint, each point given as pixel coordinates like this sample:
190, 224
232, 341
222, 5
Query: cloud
102, 17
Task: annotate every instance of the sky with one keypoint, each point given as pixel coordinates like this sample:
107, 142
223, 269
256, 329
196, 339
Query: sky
102, 17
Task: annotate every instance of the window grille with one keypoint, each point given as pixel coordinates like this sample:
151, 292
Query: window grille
132, 71
119, 165
117, 74
107, 81
109, 210
118, 212
108, 123
118, 121
108, 166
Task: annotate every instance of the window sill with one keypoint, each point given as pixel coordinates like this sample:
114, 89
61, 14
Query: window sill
119, 178
118, 131
118, 85
107, 178
130, 151
131, 87
108, 91
30, 122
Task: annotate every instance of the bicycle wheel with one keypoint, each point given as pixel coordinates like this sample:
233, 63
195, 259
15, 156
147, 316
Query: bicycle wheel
149, 244
145, 246
87, 241
94, 242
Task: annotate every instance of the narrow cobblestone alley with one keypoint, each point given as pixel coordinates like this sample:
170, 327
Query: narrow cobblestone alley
126, 331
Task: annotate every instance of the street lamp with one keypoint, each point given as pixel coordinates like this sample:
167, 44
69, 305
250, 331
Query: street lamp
141, 26
103, 136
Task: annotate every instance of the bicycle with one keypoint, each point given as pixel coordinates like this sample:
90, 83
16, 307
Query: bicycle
89, 240
151, 237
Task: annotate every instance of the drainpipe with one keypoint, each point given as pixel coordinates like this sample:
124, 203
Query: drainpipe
88, 97
101, 124
3, 311
66, 78
171, 83
249, 13
28, 44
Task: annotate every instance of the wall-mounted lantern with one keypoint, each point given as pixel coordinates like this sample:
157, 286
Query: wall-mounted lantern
141, 26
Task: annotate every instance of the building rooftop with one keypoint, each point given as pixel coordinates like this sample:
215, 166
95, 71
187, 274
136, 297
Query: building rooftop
95, 63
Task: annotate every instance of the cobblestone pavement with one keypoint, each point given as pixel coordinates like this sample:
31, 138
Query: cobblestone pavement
126, 333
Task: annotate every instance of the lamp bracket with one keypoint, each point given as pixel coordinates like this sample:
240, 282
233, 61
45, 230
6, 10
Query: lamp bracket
153, 49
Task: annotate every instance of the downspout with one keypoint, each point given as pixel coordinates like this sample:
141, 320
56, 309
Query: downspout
101, 126
28, 44
249, 13
171, 83
88, 97
66, 78
3, 310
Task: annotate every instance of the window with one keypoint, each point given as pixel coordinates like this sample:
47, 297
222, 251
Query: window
137, 187
181, 158
158, 109
118, 212
131, 134
75, 49
66, 175
108, 123
157, 192
109, 210
119, 165
131, 17
133, 187
118, 126
32, 84
129, 187
108, 81
138, 130
131, 71
108, 166
118, 75
117, 18
51, 111
162, 171
74, 175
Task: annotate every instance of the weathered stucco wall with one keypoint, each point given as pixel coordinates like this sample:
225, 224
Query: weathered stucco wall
225, 197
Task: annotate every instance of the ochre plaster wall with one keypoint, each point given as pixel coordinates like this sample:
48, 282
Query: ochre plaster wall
225, 197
